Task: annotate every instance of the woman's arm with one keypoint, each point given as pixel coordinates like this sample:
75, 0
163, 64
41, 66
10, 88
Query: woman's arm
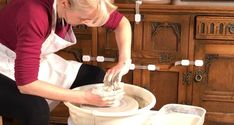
49, 91
123, 34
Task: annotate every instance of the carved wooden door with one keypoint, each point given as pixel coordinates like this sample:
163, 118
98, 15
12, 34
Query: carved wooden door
213, 87
163, 40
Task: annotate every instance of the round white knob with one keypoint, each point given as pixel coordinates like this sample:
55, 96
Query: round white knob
100, 59
139, 2
199, 62
185, 62
137, 17
151, 67
86, 58
132, 67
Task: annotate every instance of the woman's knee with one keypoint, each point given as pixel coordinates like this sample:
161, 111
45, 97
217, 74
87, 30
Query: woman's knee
88, 74
35, 112
93, 72
27, 109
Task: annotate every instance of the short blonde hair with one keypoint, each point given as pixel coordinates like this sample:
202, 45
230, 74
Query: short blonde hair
100, 9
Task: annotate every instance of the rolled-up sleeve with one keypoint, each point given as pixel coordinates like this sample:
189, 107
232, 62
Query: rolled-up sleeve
113, 21
31, 32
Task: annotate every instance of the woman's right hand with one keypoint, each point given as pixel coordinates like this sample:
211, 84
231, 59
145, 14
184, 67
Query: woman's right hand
88, 97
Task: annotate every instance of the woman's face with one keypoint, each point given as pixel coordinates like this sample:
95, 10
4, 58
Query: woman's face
73, 17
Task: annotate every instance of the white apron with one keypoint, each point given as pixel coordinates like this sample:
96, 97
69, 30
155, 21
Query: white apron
53, 69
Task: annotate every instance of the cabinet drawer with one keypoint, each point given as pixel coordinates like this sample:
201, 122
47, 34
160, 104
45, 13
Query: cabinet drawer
214, 28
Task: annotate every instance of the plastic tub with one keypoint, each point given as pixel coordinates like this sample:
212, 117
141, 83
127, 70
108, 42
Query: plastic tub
82, 116
178, 114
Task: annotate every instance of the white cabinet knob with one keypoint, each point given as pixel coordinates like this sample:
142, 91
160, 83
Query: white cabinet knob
137, 17
100, 59
185, 62
199, 63
86, 58
151, 67
132, 67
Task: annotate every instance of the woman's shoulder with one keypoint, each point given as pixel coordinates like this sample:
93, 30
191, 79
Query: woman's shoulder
35, 15
34, 5
34, 9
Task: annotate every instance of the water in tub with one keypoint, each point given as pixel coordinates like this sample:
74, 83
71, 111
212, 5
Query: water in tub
177, 119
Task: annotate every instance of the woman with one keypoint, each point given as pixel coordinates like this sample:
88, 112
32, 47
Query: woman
32, 75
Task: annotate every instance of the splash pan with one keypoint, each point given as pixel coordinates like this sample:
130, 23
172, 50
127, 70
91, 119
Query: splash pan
134, 108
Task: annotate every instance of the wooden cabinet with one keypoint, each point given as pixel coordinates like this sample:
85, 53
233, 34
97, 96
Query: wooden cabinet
167, 34
170, 33
214, 43
160, 39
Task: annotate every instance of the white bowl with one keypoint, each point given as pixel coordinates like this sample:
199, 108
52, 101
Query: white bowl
92, 117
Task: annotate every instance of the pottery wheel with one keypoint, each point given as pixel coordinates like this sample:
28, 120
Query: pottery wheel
126, 104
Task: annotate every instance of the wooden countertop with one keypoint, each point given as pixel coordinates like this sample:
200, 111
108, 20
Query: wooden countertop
147, 8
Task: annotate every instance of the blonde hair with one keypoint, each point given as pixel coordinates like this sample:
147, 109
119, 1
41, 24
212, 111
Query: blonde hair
100, 9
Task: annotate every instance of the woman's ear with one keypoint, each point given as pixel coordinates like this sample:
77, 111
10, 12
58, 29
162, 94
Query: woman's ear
65, 3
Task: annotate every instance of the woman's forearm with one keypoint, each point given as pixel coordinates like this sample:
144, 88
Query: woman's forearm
49, 91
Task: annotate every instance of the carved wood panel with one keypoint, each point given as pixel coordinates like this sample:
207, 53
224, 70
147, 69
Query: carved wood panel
215, 27
163, 38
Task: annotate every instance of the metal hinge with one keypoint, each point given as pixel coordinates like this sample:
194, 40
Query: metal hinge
187, 78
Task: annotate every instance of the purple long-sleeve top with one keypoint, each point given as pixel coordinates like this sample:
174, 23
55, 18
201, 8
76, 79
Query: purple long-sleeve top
24, 26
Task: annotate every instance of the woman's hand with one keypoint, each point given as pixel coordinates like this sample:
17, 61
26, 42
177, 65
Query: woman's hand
91, 98
114, 75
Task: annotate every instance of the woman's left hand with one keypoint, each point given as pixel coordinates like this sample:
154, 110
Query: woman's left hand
114, 75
